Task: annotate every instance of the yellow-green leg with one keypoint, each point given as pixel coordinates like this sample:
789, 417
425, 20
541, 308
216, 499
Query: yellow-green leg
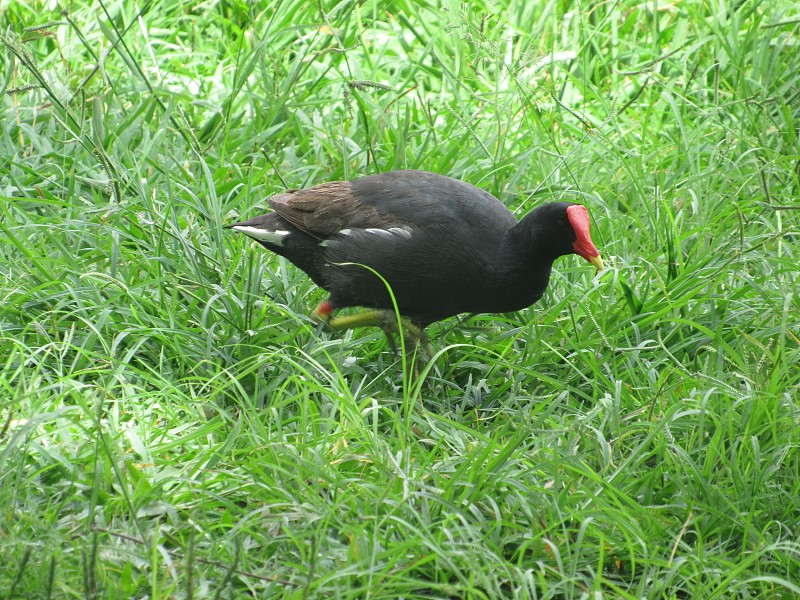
413, 335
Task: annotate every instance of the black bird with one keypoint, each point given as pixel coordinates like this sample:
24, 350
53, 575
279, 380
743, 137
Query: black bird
443, 246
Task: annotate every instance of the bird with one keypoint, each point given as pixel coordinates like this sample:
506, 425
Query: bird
432, 245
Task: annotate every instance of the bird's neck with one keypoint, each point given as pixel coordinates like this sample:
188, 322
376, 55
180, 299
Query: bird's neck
523, 247
522, 260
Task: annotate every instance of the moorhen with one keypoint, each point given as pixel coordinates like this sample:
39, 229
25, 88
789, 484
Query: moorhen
443, 246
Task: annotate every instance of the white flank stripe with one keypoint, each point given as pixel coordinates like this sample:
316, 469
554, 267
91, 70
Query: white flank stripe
263, 235
402, 232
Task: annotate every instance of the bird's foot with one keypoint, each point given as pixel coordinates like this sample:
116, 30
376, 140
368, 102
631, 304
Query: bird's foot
413, 335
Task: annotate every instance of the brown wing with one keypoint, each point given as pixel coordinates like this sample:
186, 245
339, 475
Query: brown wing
326, 209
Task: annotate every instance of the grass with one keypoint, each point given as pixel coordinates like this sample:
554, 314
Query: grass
172, 424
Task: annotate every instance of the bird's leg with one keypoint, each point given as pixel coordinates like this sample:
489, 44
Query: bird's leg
414, 335
322, 314
385, 319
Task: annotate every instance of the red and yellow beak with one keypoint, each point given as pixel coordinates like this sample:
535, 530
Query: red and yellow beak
587, 250
583, 245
